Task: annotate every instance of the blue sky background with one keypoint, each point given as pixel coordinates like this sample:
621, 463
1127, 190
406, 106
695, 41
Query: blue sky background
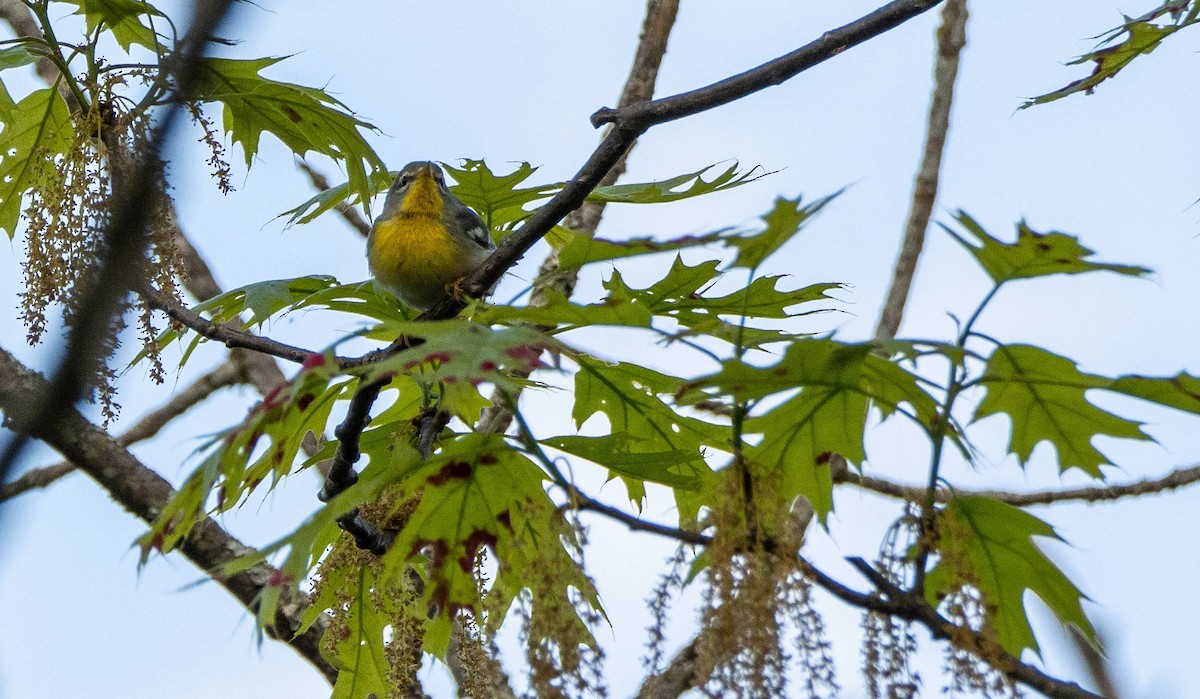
516, 81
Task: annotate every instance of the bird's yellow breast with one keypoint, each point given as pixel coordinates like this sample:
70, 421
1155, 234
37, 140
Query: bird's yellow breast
414, 252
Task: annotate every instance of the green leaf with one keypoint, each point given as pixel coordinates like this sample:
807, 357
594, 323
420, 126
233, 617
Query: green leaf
360, 658
1032, 255
1181, 391
33, 134
458, 356
624, 455
987, 544
578, 250
684, 186
17, 56
497, 198
558, 310
1141, 36
837, 382
783, 222
629, 397
122, 18
264, 446
329, 199
304, 118
478, 493
1044, 396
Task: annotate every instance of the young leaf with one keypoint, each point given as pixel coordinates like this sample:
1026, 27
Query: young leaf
675, 188
122, 18
1181, 391
1141, 36
477, 493
1044, 396
578, 250
782, 223
624, 455
303, 118
363, 668
1033, 255
33, 133
987, 544
327, 200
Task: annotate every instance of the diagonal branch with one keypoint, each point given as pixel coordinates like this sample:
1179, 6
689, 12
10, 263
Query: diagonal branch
144, 494
631, 122
952, 37
225, 334
224, 375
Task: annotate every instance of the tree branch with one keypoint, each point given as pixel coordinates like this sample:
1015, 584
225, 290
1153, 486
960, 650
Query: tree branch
1177, 478
144, 493
226, 374
631, 122
952, 37
226, 335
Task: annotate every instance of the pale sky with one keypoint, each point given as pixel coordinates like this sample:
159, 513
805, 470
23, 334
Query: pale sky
516, 81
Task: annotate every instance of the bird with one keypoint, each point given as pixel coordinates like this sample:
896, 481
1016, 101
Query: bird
425, 240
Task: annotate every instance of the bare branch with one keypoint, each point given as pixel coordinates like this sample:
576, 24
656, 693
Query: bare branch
677, 678
775, 72
224, 375
224, 334
144, 494
1177, 478
952, 37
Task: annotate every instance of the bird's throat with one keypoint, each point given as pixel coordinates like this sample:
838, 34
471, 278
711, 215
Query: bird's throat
423, 199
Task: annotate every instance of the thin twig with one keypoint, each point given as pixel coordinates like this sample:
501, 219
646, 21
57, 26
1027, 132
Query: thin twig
222, 333
951, 38
1177, 478
225, 374
631, 122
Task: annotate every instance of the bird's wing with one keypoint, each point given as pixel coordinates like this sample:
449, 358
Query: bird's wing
474, 226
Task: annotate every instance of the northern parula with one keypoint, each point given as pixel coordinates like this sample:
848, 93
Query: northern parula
426, 239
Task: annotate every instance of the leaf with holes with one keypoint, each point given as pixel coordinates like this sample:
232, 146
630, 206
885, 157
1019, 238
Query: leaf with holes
33, 134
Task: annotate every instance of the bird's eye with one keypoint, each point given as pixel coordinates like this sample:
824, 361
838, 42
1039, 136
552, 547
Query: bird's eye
404, 181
